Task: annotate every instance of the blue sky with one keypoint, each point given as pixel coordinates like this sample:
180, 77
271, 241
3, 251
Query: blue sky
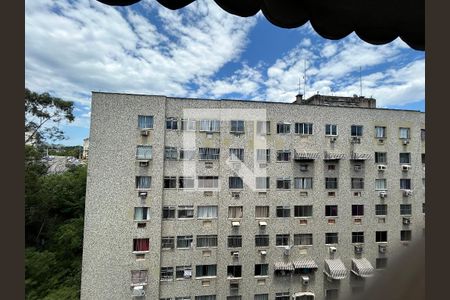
75, 47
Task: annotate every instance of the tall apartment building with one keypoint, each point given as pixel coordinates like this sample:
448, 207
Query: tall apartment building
204, 199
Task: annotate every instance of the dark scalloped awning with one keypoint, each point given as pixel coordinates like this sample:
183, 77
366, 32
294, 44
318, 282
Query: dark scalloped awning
375, 21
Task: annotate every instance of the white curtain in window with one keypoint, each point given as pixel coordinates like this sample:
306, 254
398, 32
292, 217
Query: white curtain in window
262, 211
145, 121
144, 152
380, 184
303, 183
235, 212
404, 133
379, 132
207, 212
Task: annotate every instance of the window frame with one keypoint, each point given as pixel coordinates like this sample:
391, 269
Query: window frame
329, 130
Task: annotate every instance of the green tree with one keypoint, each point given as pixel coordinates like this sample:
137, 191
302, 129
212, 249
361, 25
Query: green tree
42, 108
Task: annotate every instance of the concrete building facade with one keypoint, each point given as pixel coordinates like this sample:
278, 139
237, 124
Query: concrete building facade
207, 199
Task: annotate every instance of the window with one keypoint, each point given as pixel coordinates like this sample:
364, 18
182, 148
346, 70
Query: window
331, 294
380, 132
262, 183
422, 135
141, 214
208, 297
331, 183
304, 128
283, 211
380, 209
423, 158
263, 127
263, 155
405, 209
171, 123
168, 212
380, 157
404, 133
380, 184
210, 125
381, 262
235, 212
261, 211
283, 128
185, 182
183, 272
208, 153
405, 158
145, 122
208, 182
205, 270
303, 210
236, 154
356, 131
380, 236
187, 154
331, 210
139, 277
261, 240
184, 241
405, 235
331, 238
207, 212
166, 273
303, 239
183, 298
303, 183
143, 182
186, 212
188, 125
282, 296
206, 241
234, 297
284, 183
261, 269
358, 237
234, 241
141, 245
237, 126
235, 183
144, 152
283, 155
357, 210
405, 184
170, 182
282, 240
167, 242
358, 183
261, 297
331, 167
331, 129
234, 271
170, 153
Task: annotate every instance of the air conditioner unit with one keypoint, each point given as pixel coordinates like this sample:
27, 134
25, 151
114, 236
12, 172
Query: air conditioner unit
358, 249
235, 194
138, 291
262, 223
143, 164
380, 141
235, 254
356, 140
235, 224
207, 193
406, 167
357, 168
382, 248
287, 250
263, 252
208, 164
383, 194
262, 165
405, 142
143, 195
303, 167
236, 166
234, 285
407, 193
406, 221
333, 139
332, 249
144, 132
381, 167
305, 280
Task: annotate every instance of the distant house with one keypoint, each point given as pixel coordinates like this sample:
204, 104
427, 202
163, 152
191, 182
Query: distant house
31, 141
85, 148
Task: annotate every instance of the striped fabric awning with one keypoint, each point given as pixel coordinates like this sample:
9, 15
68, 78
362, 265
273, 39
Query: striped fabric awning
284, 266
306, 263
362, 267
335, 269
333, 156
360, 156
302, 155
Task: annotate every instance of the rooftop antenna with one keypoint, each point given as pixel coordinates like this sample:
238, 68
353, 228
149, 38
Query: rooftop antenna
360, 82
